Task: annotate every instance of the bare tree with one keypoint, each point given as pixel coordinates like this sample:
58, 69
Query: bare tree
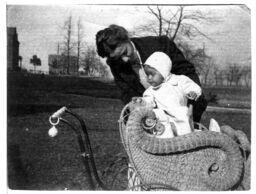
216, 74
229, 77
182, 22
92, 65
79, 41
233, 74
158, 15
206, 69
246, 76
238, 74
68, 45
221, 77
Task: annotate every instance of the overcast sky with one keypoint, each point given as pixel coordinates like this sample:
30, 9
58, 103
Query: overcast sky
39, 28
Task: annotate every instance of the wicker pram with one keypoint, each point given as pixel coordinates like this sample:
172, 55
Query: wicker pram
202, 160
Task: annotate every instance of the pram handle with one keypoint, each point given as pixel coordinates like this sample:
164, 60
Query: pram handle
59, 112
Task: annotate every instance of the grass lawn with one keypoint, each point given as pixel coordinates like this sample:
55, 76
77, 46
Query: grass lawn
37, 161
230, 96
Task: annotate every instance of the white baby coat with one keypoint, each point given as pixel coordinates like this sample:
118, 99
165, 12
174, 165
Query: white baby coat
170, 102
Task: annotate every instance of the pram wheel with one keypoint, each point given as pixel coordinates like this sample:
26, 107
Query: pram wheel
115, 175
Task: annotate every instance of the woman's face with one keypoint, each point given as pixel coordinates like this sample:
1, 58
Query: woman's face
154, 78
123, 51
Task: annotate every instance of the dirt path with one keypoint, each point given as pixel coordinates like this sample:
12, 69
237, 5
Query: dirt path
224, 109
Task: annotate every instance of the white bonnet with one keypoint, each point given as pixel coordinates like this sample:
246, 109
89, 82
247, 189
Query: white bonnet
161, 62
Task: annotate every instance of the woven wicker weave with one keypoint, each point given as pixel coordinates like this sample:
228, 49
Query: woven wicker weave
202, 160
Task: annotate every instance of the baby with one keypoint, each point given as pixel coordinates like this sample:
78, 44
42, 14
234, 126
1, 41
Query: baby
168, 95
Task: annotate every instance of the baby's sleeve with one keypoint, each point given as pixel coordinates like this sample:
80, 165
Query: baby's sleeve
188, 85
148, 98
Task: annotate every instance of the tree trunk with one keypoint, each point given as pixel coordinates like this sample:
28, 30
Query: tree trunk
68, 43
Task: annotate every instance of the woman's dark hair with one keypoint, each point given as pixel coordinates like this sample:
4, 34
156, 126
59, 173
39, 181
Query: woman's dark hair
111, 37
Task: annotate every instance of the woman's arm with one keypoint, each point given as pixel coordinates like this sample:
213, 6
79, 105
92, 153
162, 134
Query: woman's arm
127, 83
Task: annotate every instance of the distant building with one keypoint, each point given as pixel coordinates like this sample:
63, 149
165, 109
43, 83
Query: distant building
12, 49
58, 64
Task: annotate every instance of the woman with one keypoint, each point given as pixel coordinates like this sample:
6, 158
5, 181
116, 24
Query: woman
125, 57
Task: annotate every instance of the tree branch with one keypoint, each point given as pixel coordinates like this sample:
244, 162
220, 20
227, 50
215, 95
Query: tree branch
179, 22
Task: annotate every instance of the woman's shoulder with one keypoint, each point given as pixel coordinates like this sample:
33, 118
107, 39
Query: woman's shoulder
150, 38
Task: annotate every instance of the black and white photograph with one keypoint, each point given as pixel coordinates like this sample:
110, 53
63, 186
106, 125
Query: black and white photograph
128, 97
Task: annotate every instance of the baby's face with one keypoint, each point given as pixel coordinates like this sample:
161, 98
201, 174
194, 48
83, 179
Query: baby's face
154, 78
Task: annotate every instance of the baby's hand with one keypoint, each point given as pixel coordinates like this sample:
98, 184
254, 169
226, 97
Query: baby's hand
192, 96
137, 99
136, 102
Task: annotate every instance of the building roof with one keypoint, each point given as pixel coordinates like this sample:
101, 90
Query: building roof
11, 30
